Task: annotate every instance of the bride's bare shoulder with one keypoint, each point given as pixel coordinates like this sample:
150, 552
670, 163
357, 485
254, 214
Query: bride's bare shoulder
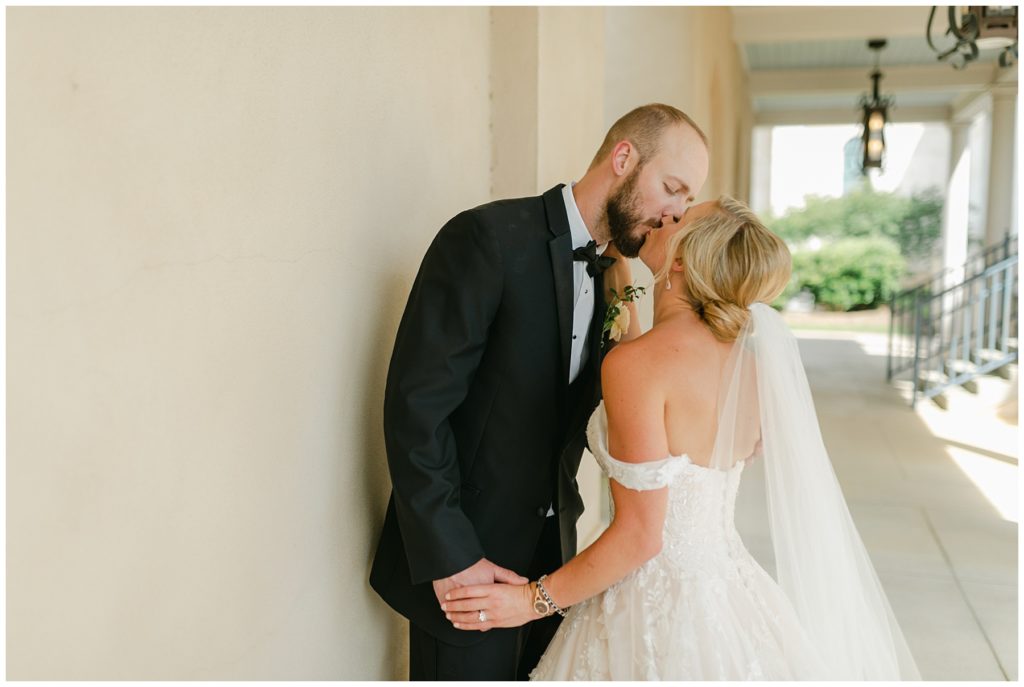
642, 360
634, 403
658, 354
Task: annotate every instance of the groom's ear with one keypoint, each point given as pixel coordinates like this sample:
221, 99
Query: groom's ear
623, 155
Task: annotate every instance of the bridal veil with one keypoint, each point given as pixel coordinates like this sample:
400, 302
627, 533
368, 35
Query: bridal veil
821, 563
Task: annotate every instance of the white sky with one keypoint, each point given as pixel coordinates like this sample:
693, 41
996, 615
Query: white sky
808, 160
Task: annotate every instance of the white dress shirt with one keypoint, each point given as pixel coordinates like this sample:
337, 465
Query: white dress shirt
583, 286
583, 290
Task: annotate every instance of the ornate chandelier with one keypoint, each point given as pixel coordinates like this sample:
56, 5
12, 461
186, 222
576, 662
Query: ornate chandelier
978, 28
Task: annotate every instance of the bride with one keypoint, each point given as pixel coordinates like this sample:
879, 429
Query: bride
669, 591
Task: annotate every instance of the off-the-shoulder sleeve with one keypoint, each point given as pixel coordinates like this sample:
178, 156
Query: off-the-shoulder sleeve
645, 476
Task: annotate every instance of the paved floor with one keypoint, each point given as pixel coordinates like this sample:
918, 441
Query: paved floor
934, 496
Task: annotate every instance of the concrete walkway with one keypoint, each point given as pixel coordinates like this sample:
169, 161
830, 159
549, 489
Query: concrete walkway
933, 494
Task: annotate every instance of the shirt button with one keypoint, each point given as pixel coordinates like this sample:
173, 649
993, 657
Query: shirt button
573, 337
541, 512
586, 291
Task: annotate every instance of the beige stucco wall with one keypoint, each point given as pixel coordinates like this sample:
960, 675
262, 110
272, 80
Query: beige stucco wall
214, 219
571, 83
514, 97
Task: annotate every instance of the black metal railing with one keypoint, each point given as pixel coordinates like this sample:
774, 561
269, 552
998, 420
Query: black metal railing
905, 304
957, 324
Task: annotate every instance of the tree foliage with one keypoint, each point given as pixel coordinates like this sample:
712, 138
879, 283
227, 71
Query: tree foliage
867, 239
914, 223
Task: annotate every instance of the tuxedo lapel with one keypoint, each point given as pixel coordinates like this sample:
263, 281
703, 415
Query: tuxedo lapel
560, 249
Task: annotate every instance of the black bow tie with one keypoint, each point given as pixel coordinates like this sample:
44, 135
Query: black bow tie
596, 264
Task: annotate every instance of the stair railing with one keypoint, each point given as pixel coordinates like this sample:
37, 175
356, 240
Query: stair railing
965, 330
909, 324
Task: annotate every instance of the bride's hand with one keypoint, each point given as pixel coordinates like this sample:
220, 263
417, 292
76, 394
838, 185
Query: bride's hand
612, 251
504, 605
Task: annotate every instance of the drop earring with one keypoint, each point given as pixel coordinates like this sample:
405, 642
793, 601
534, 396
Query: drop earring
668, 284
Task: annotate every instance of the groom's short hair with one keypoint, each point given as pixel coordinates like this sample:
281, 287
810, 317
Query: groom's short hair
643, 128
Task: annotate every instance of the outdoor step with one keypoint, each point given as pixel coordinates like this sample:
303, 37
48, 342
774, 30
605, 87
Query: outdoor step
931, 378
981, 393
956, 368
959, 400
989, 393
984, 355
991, 390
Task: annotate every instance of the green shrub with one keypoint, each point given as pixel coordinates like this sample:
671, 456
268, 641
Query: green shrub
849, 274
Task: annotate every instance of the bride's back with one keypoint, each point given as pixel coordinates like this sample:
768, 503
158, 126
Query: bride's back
688, 369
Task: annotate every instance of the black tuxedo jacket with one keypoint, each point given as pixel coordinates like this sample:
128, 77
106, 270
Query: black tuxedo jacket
478, 427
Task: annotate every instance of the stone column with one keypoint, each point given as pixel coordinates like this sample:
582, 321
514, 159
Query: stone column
999, 219
955, 214
547, 93
761, 169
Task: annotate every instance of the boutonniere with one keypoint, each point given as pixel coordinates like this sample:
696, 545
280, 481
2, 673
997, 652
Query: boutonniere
616, 317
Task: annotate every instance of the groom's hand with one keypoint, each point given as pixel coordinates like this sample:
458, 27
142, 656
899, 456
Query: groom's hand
481, 572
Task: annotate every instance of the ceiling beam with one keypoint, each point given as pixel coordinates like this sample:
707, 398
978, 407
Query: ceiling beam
1007, 75
917, 78
787, 24
843, 115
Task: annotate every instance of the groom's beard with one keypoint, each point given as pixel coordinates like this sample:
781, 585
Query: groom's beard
624, 216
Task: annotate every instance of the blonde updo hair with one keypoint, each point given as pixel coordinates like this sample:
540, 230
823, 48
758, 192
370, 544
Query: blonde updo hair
730, 260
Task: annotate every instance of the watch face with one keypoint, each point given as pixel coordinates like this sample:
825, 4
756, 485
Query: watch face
541, 606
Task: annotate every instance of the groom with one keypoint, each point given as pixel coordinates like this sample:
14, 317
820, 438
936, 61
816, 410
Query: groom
494, 374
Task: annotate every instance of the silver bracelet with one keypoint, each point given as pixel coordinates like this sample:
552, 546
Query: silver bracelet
547, 597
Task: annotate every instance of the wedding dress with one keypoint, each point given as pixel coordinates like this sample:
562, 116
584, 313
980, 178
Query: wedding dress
703, 608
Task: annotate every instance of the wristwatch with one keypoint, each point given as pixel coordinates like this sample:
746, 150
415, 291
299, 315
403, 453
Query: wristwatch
540, 606
542, 603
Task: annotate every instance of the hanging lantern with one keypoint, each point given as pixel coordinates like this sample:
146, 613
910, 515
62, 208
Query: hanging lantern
876, 115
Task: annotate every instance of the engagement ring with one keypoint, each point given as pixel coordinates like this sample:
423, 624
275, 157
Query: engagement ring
482, 616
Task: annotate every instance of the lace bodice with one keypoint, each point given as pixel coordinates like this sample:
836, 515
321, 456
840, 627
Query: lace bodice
699, 530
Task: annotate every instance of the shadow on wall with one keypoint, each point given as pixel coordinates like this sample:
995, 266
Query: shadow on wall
376, 481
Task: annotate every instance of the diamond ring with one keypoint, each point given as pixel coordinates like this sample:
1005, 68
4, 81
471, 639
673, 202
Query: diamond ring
481, 616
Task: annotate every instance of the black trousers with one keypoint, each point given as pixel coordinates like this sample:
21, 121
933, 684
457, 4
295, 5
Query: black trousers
504, 653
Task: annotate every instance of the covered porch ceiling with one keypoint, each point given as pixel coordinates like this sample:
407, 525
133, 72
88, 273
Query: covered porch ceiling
810, 65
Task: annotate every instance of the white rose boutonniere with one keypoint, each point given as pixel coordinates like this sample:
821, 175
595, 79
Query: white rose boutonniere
616, 317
